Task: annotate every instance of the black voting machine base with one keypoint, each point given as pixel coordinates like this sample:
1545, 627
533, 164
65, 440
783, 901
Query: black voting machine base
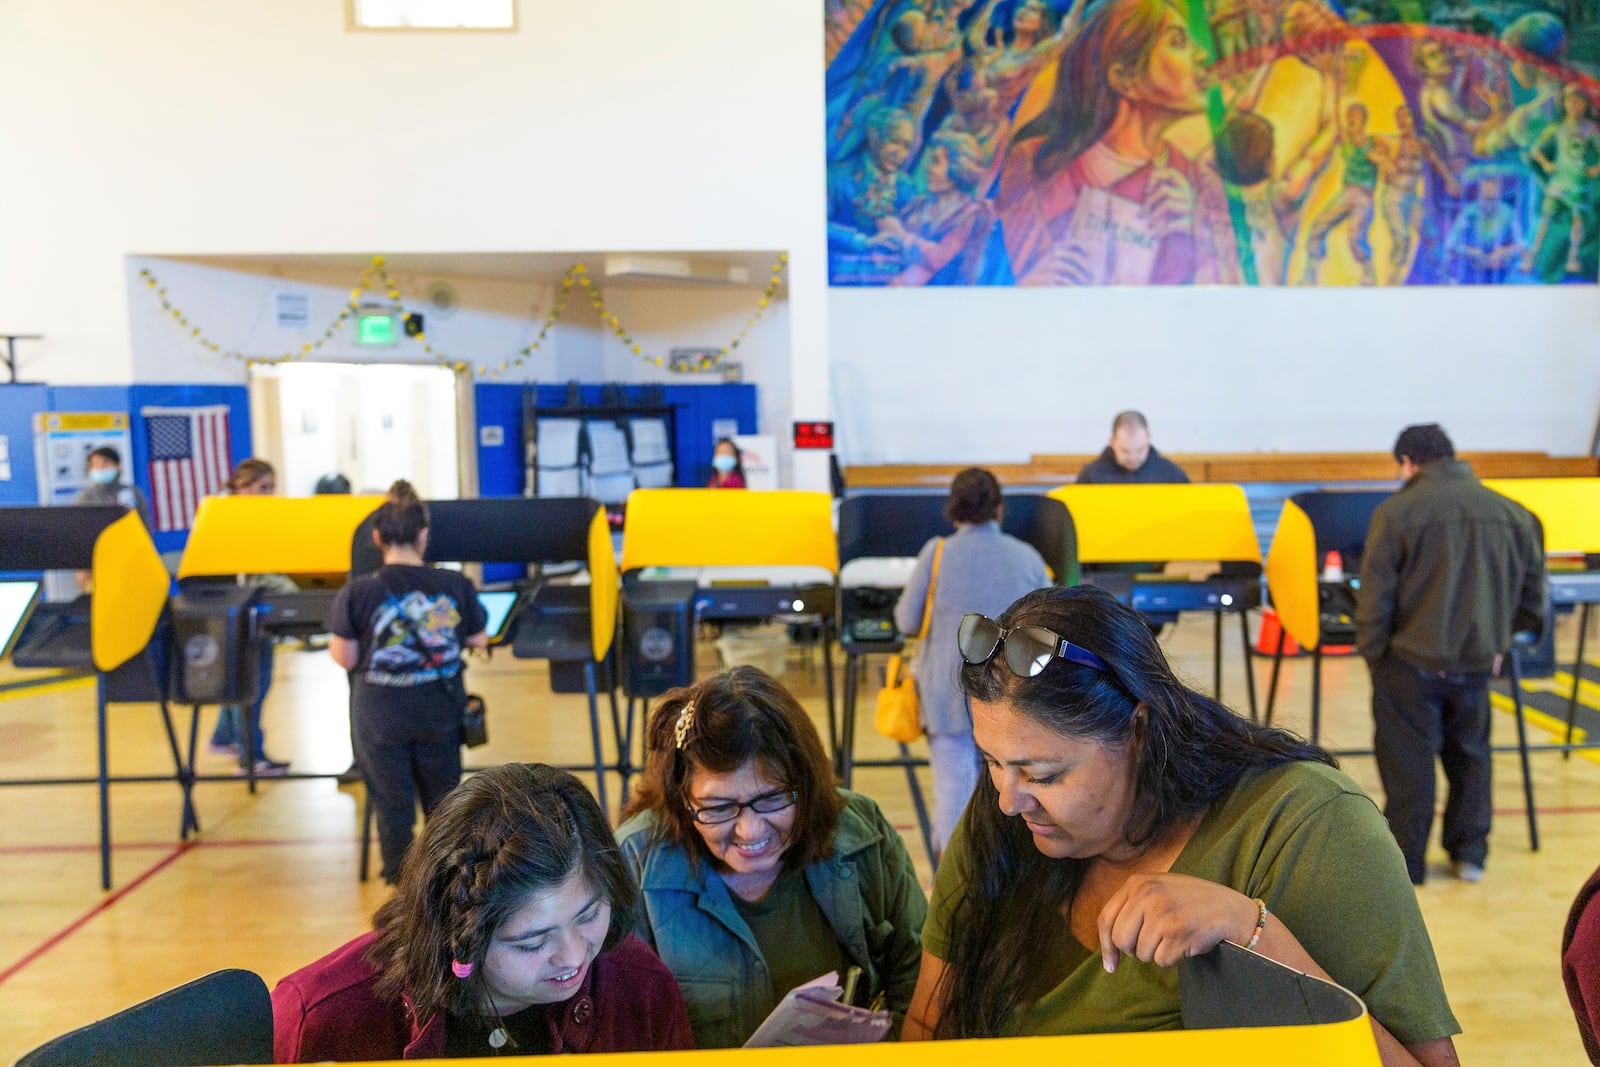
57, 635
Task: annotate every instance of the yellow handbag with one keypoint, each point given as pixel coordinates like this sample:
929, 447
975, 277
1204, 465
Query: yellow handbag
899, 715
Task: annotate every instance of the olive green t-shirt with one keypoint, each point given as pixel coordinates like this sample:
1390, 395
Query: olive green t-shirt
1308, 841
792, 933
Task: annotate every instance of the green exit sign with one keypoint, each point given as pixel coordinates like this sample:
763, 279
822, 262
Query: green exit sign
376, 330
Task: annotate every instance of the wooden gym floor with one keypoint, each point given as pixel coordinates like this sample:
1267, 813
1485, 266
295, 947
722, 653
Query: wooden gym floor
270, 882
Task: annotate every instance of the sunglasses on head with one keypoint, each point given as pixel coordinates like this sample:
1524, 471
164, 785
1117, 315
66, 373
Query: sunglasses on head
1028, 649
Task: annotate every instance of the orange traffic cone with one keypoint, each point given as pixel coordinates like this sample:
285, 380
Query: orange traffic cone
1271, 629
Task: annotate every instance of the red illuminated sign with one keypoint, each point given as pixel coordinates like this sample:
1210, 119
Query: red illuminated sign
813, 435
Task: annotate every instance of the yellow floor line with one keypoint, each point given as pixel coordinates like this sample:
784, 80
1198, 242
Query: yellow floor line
1556, 728
47, 687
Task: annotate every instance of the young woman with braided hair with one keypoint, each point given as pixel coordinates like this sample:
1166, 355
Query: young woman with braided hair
510, 933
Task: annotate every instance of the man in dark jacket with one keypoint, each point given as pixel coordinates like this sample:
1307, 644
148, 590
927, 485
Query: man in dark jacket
1449, 572
1129, 458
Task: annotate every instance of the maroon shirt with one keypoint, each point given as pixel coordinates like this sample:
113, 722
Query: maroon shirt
330, 1010
1580, 963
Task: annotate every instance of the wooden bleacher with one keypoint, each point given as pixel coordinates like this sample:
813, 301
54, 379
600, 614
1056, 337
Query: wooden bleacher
1320, 468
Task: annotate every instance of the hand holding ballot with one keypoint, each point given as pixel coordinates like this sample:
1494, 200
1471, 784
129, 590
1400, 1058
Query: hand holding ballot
818, 1013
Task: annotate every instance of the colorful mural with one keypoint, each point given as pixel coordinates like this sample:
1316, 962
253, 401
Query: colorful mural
1213, 142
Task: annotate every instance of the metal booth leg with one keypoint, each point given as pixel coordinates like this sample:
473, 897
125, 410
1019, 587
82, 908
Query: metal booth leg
105, 783
827, 681
1249, 668
1272, 686
594, 734
1577, 676
844, 757
1216, 656
1522, 748
366, 832
917, 802
1316, 693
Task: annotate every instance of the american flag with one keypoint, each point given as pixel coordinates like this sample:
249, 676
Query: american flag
188, 460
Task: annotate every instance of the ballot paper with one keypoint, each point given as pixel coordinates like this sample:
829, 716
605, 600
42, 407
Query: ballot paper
812, 1015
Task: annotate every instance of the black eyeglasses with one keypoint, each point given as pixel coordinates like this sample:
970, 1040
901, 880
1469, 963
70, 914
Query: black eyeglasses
1029, 649
765, 804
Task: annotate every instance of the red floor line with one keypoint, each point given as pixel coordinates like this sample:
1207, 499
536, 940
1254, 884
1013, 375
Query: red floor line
78, 923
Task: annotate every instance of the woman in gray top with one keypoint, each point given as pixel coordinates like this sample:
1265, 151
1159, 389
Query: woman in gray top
982, 570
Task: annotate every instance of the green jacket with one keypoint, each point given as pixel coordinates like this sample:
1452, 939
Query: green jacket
1449, 571
867, 890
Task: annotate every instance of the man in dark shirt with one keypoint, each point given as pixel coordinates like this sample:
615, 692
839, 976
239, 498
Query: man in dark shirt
1130, 458
1450, 571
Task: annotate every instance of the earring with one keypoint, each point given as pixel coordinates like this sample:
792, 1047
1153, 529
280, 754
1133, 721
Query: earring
460, 970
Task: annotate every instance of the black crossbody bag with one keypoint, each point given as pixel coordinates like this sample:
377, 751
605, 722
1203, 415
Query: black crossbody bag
474, 713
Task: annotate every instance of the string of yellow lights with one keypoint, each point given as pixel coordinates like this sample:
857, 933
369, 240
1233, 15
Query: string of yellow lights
375, 278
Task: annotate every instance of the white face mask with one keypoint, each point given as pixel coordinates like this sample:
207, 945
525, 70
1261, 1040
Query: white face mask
104, 475
724, 463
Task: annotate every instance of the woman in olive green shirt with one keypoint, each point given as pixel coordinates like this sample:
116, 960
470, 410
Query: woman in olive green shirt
1127, 822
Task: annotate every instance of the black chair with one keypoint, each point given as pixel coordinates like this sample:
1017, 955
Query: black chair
225, 1017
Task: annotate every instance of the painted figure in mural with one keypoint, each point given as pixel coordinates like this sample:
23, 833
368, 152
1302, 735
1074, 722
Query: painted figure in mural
945, 219
1445, 123
1024, 48
1565, 153
867, 193
1536, 39
1092, 192
1401, 159
1353, 205
1485, 239
1274, 200
976, 108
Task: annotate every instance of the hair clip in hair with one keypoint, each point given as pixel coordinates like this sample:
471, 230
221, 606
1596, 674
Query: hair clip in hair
685, 721
460, 970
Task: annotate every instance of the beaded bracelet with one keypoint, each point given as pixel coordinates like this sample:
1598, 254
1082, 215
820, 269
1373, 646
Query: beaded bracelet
1261, 924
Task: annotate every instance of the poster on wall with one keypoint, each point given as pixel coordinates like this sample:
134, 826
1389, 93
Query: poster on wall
1213, 142
62, 441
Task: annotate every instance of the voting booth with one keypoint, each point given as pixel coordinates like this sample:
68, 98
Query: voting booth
118, 629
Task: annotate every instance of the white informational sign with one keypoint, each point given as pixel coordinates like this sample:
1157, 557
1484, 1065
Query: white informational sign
62, 442
291, 311
721, 428
491, 436
5, 458
759, 454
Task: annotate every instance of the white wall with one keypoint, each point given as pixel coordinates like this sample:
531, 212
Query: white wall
1216, 370
261, 126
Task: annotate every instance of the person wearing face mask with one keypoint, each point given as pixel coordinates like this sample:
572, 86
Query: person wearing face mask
509, 933
1126, 822
757, 874
727, 466
104, 468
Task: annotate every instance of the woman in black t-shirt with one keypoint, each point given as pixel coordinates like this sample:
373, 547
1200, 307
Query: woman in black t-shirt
401, 633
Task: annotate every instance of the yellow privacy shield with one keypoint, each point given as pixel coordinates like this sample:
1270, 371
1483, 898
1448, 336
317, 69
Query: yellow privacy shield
729, 527
130, 589
604, 584
1129, 523
1569, 508
1292, 575
1344, 1044
274, 535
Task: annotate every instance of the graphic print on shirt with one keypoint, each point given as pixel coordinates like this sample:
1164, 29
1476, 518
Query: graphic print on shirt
402, 628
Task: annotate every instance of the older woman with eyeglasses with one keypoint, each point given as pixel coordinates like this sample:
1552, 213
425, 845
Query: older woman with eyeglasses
756, 873
1127, 822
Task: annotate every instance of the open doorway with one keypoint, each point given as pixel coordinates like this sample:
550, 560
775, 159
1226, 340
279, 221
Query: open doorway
369, 422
